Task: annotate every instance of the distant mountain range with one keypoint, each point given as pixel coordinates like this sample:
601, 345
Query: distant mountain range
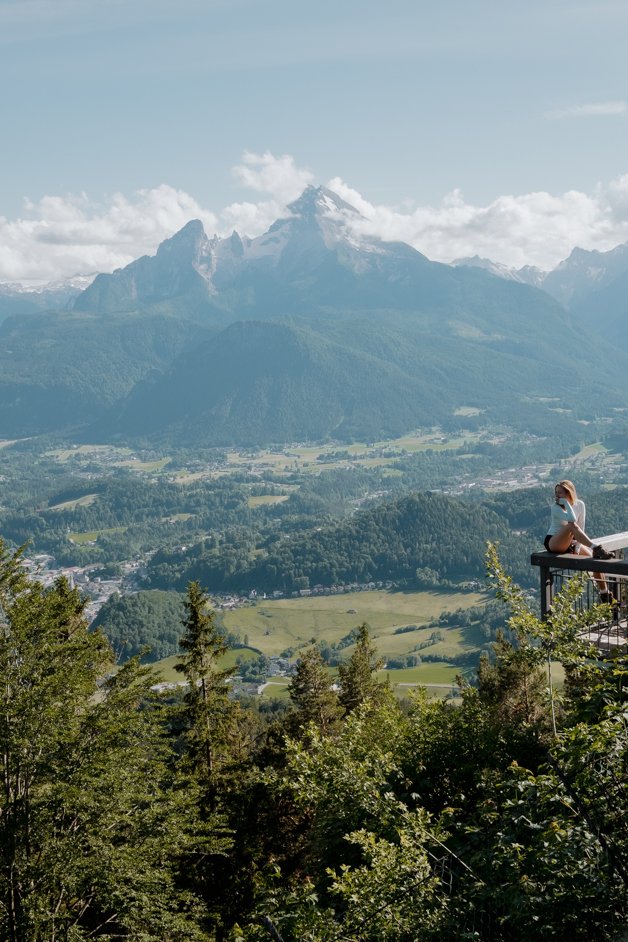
23, 299
588, 282
306, 332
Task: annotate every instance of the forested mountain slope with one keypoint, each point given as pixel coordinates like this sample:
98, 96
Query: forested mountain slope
389, 541
154, 816
261, 382
59, 371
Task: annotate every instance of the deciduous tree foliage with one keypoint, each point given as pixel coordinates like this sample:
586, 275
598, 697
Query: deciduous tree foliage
146, 623
391, 540
466, 821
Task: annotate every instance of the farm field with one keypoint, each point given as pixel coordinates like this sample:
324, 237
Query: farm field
304, 458
90, 536
108, 456
135, 464
94, 452
272, 627
266, 500
438, 680
311, 458
166, 671
275, 626
84, 501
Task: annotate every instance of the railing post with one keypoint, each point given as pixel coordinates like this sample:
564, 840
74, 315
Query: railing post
547, 585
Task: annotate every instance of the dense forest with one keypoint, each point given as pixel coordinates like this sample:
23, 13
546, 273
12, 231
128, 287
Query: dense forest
431, 533
125, 813
143, 620
148, 625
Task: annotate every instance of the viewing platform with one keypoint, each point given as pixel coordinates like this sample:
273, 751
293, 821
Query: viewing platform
609, 636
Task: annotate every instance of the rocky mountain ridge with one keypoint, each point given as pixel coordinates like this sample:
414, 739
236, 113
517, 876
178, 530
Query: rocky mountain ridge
575, 283
307, 331
318, 224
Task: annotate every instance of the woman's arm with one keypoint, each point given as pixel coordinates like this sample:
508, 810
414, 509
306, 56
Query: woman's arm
562, 513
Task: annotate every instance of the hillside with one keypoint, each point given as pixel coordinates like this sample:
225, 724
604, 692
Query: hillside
362, 376
133, 623
393, 540
262, 382
61, 370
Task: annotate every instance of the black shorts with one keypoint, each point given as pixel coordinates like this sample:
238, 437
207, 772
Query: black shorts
570, 549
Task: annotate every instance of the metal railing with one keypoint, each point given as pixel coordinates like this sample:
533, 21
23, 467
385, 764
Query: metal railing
609, 635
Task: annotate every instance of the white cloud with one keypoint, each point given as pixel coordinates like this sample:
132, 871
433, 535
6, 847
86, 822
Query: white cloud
61, 236
531, 229
64, 235
278, 176
250, 218
601, 109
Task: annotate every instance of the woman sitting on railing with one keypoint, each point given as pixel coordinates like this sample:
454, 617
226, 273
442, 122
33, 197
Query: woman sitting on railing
566, 532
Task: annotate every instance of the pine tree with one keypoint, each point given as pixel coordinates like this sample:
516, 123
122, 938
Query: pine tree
208, 712
311, 693
513, 686
356, 676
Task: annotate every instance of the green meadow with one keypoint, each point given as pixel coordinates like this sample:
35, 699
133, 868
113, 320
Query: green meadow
91, 536
165, 670
135, 464
84, 501
266, 500
276, 626
437, 678
311, 458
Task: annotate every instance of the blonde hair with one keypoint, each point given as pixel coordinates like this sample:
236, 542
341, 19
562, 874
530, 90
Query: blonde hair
570, 487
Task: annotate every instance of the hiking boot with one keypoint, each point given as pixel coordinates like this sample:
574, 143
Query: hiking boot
600, 553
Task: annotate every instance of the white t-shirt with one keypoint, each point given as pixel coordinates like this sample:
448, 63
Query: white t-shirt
561, 513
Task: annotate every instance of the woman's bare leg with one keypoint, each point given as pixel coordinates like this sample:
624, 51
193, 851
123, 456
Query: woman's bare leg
565, 537
561, 541
598, 576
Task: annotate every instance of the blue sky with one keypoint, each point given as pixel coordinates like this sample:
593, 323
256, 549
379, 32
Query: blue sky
462, 126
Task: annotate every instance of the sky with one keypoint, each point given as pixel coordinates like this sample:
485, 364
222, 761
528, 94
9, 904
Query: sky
496, 128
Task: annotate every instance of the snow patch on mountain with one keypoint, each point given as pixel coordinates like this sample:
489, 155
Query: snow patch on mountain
75, 284
529, 275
